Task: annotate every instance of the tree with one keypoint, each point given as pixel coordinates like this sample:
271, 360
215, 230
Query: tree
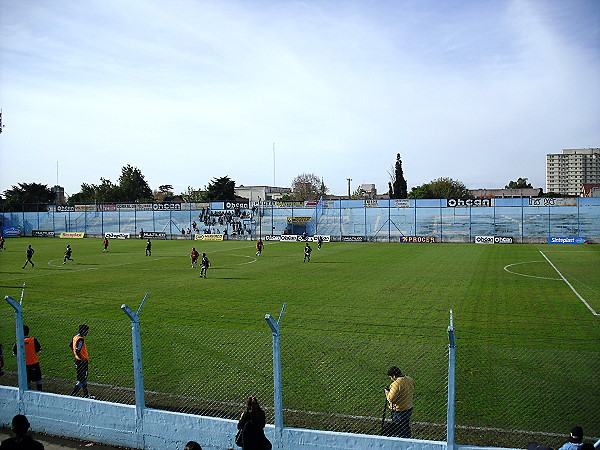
91, 193
192, 195
133, 186
27, 193
521, 183
308, 186
441, 188
397, 184
164, 191
420, 192
220, 189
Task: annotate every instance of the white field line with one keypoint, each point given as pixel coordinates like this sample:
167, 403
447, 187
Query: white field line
569, 284
524, 274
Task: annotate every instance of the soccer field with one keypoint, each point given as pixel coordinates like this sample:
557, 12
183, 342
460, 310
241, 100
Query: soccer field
352, 311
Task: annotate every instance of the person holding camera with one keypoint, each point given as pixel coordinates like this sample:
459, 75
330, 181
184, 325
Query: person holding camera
400, 398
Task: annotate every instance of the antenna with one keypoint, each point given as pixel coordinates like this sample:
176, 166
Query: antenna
274, 164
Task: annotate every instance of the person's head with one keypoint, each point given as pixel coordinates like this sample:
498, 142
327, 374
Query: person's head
576, 436
25, 330
192, 445
29, 246
83, 329
193, 249
20, 425
394, 372
252, 404
203, 254
68, 246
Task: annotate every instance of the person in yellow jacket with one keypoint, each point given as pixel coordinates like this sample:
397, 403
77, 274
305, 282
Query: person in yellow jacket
400, 398
81, 360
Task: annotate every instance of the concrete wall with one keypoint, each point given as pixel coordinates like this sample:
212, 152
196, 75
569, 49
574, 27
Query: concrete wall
115, 424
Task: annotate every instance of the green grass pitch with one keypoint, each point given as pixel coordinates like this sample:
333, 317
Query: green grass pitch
502, 297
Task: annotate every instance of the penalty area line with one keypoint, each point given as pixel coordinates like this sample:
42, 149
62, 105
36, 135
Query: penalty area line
570, 285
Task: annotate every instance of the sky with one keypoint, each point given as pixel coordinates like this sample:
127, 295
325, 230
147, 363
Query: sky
262, 91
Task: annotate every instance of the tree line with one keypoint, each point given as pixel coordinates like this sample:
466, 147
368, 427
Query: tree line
131, 186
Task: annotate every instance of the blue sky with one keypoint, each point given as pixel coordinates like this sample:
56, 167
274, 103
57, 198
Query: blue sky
479, 91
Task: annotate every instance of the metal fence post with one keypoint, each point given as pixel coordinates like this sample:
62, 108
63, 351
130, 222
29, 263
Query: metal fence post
138, 377
277, 382
451, 385
21, 368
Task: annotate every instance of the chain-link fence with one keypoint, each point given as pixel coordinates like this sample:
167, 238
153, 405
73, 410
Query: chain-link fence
504, 397
110, 375
446, 220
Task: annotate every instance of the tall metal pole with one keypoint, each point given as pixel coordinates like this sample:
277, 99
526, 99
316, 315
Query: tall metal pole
349, 180
140, 403
277, 379
451, 385
21, 368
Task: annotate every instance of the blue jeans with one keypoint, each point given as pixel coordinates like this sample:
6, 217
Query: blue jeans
401, 421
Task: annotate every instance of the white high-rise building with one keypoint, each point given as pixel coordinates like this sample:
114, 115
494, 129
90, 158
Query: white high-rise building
567, 172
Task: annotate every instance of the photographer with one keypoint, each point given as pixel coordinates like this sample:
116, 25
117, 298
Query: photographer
400, 398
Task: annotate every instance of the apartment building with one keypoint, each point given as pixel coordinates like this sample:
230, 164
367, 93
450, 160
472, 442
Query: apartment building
567, 172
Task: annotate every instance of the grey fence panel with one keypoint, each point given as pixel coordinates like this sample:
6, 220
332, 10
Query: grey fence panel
337, 384
530, 395
110, 375
206, 371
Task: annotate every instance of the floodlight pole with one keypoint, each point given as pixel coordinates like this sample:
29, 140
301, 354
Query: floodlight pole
451, 385
138, 376
21, 368
277, 382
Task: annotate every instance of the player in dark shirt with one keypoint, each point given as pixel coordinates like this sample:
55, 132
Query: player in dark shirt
148, 248
205, 264
307, 251
68, 252
30, 253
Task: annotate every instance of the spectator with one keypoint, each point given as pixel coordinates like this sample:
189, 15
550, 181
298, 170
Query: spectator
575, 439
400, 398
20, 426
192, 445
252, 424
32, 363
81, 360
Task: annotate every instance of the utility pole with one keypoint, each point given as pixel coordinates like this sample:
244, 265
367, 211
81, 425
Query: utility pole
349, 180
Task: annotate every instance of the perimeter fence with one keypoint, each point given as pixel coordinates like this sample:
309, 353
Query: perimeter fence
441, 220
504, 396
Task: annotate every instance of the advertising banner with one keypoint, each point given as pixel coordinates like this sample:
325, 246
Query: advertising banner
353, 239
40, 233
503, 240
116, 235
418, 239
208, 237
72, 234
155, 235
166, 206
298, 219
288, 238
550, 201
402, 203
454, 202
567, 240
11, 231
65, 208
272, 238
484, 239
326, 238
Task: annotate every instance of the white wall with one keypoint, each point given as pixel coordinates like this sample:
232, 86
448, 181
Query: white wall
115, 424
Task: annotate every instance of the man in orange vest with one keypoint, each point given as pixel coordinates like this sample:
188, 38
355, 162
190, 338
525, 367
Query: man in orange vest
81, 360
32, 348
